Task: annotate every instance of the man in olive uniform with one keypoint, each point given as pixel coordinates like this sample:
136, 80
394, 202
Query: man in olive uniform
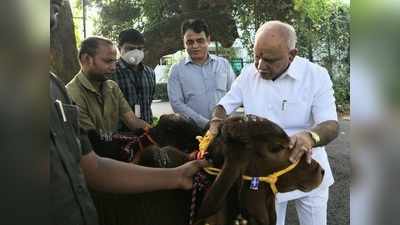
73, 164
101, 102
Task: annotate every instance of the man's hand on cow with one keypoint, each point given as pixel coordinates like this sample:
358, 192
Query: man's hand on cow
187, 171
301, 143
214, 125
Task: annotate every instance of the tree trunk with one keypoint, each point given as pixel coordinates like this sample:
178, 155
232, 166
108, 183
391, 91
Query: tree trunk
63, 52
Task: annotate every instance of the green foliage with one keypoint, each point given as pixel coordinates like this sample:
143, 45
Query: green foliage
117, 15
341, 86
155, 121
78, 26
228, 53
161, 92
323, 33
323, 28
249, 15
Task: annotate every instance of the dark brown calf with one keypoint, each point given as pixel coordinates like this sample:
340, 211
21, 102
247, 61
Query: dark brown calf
243, 147
253, 147
170, 207
172, 130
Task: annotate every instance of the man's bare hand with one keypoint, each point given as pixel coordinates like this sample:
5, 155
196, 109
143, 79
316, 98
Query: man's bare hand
215, 123
187, 171
301, 143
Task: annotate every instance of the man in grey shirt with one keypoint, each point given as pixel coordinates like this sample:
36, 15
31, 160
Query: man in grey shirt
199, 81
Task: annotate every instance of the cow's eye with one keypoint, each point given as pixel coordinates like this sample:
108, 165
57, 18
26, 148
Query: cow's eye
275, 148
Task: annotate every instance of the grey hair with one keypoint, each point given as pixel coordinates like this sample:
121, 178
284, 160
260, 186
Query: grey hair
287, 29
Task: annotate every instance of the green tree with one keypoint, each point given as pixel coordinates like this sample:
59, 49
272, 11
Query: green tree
323, 29
249, 15
160, 22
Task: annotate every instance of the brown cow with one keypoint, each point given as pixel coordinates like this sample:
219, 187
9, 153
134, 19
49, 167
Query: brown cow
254, 147
244, 146
169, 207
172, 130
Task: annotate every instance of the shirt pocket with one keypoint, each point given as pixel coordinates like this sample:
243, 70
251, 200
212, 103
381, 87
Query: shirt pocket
72, 115
221, 80
193, 87
296, 113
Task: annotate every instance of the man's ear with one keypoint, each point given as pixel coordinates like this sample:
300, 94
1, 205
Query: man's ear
292, 54
209, 39
86, 59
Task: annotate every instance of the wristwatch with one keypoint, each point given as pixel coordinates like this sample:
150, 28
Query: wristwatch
314, 136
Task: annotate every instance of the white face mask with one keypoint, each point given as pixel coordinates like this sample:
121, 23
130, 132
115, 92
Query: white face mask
133, 57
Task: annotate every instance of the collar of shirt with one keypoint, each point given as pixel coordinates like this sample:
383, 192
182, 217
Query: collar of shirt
88, 85
210, 58
124, 65
294, 71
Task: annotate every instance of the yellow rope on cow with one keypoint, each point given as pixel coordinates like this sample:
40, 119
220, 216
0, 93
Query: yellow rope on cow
273, 178
212, 170
204, 142
270, 179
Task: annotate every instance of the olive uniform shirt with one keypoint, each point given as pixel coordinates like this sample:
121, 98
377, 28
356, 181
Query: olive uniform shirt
70, 200
102, 110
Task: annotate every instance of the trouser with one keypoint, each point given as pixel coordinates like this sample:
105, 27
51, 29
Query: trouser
311, 209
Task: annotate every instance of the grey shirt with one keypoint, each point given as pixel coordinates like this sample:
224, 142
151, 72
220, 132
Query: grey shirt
194, 90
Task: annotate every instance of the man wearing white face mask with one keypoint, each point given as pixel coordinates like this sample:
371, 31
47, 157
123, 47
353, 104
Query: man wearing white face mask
136, 80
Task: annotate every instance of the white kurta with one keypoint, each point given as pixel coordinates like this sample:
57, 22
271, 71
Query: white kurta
298, 100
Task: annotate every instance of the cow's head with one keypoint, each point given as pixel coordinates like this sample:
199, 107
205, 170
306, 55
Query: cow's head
176, 130
171, 130
254, 147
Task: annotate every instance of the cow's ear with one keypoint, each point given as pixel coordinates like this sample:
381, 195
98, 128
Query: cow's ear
215, 198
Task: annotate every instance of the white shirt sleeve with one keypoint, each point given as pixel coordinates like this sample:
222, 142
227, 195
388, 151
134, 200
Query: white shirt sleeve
234, 98
231, 75
323, 105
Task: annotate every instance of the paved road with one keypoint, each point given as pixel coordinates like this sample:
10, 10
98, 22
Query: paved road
339, 158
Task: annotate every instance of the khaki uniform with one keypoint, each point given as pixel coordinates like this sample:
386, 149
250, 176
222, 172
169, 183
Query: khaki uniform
98, 110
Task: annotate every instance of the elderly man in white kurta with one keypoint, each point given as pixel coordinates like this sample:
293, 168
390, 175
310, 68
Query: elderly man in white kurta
296, 94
